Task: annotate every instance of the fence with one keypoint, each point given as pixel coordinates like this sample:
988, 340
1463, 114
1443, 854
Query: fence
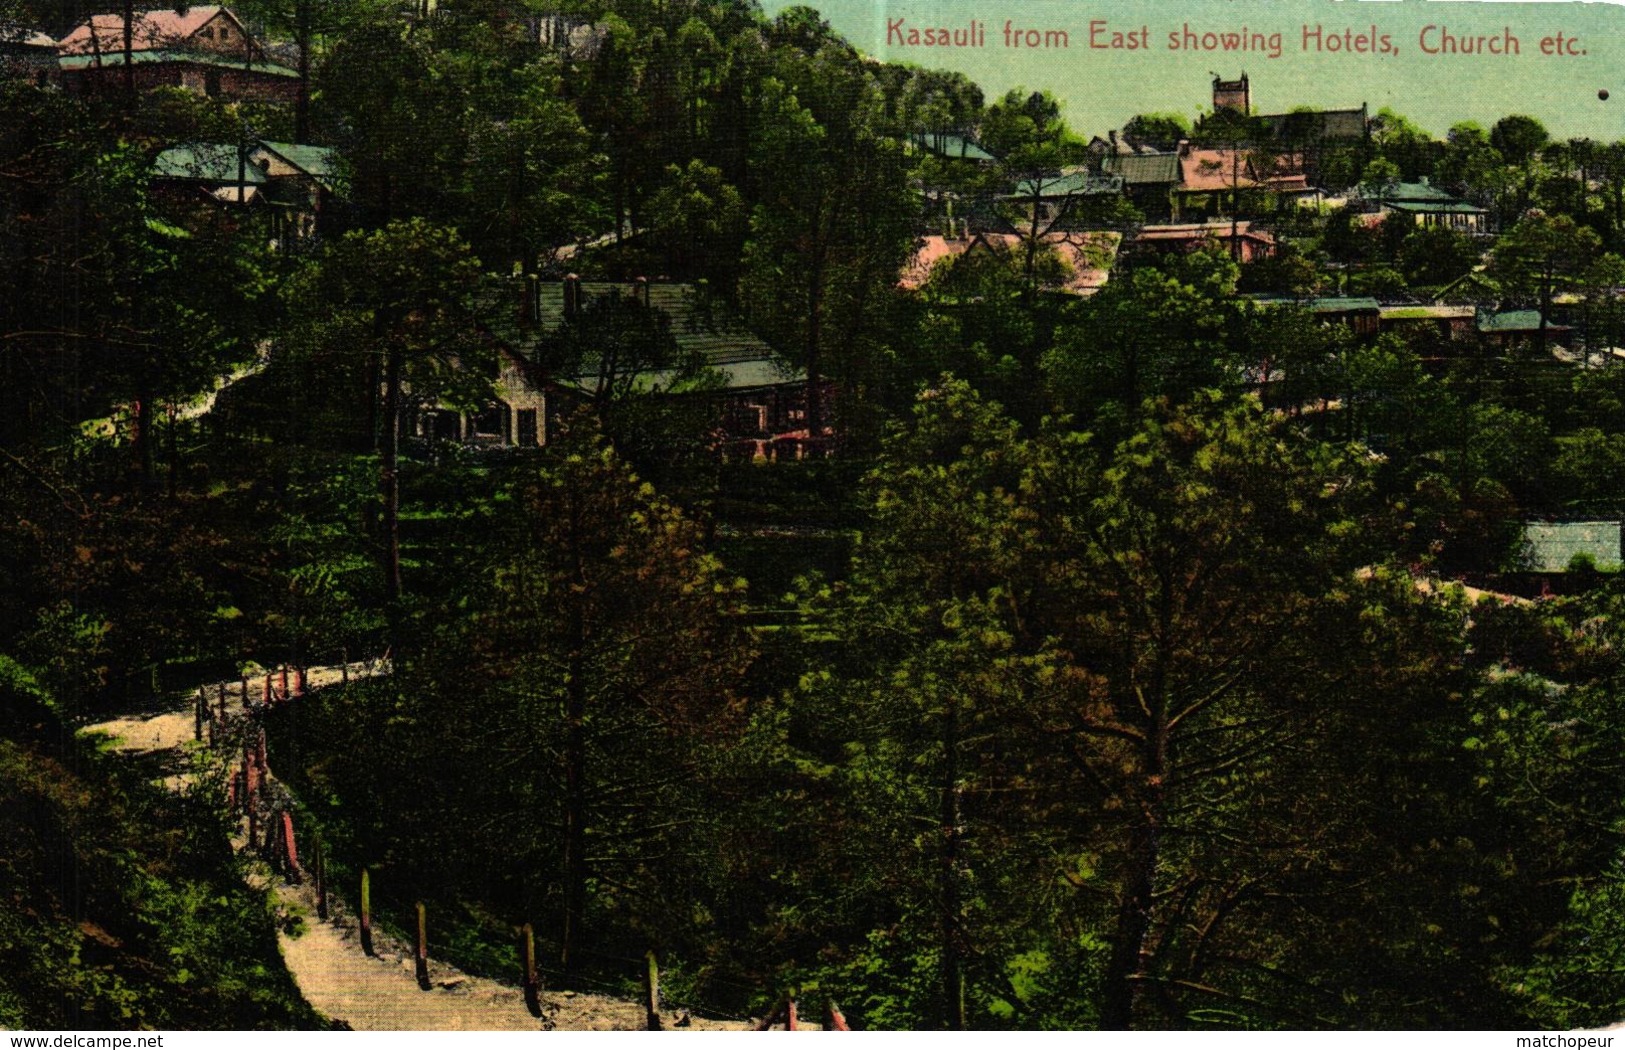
266, 811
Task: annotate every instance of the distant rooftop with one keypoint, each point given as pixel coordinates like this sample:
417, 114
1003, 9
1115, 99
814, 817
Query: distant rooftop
1147, 169
1552, 546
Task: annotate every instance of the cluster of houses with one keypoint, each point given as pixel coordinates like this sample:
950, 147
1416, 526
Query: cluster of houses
1190, 193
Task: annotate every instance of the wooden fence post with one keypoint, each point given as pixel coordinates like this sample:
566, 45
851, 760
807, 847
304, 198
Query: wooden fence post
527, 959
366, 912
651, 991
344, 665
790, 1013
772, 1017
299, 680
260, 758
837, 1021
290, 848
267, 697
422, 957
198, 707
284, 681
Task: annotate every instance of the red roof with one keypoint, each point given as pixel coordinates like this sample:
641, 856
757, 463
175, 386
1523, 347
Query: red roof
1088, 255
154, 30
1209, 170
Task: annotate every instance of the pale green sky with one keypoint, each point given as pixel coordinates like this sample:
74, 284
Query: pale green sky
1101, 87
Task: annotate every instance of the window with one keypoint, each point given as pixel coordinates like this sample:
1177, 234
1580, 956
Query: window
206, 33
527, 426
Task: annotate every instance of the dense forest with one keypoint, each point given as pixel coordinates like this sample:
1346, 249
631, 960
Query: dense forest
1094, 662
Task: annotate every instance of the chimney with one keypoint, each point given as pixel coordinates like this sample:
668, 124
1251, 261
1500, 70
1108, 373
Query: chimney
1184, 147
572, 296
1112, 135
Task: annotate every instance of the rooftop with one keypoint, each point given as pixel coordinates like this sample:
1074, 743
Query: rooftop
206, 162
1552, 546
1146, 169
153, 30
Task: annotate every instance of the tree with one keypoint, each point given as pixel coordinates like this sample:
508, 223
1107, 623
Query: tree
832, 222
1518, 138
1157, 129
394, 302
1539, 255
596, 668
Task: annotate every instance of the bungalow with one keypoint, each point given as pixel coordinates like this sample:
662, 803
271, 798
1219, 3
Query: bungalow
206, 49
296, 182
1437, 319
951, 147
1426, 205
1359, 314
1056, 194
1509, 328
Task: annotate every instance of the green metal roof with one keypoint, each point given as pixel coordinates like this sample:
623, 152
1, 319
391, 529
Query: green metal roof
196, 58
206, 162
1515, 321
1145, 169
1077, 183
1330, 304
1550, 546
1326, 124
955, 147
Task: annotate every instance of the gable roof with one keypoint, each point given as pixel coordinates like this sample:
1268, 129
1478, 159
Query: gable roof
154, 30
1146, 169
1207, 170
321, 163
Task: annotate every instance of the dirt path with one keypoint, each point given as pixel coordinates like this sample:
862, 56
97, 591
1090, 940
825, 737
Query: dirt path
378, 992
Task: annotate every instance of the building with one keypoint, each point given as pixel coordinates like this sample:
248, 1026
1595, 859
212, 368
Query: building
1089, 257
758, 402
1426, 205
205, 49
1509, 328
1148, 179
1244, 243
1361, 315
1234, 95
1558, 546
303, 184
950, 146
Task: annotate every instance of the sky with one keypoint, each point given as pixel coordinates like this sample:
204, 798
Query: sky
1331, 55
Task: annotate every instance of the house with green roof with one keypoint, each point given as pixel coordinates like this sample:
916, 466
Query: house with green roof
1148, 179
1426, 205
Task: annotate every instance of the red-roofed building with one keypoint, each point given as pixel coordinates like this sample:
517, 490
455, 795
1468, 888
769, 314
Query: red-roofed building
207, 50
1244, 243
1088, 257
